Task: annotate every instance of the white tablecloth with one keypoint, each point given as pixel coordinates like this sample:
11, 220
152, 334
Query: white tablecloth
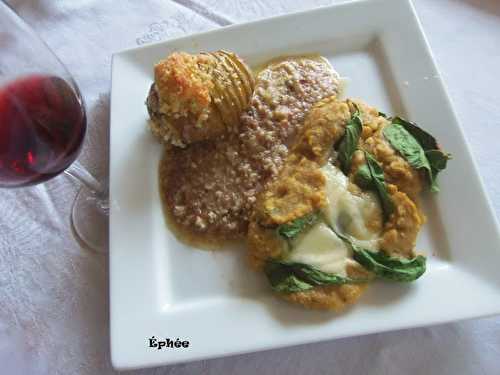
54, 295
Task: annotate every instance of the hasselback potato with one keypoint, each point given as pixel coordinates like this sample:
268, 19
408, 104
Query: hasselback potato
198, 97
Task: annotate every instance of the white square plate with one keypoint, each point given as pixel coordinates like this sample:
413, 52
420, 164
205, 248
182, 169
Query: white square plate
162, 288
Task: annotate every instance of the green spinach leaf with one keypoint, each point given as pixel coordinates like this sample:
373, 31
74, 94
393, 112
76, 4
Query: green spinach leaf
370, 176
438, 161
291, 277
418, 147
291, 230
427, 141
349, 142
363, 178
406, 144
391, 268
387, 267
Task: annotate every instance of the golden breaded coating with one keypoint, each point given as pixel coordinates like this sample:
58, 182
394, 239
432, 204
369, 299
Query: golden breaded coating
323, 127
289, 197
263, 244
300, 187
397, 170
401, 230
183, 82
328, 297
404, 184
299, 190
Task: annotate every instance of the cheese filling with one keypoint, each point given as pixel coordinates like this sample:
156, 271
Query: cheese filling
320, 247
348, 213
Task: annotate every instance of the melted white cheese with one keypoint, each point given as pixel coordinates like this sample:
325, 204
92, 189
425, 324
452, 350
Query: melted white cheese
320, 247
347, 213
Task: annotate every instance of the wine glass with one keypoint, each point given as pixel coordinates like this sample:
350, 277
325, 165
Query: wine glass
43, 124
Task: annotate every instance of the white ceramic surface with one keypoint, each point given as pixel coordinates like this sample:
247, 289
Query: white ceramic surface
161, 287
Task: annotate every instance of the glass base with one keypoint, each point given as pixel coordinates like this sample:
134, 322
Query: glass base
89, 220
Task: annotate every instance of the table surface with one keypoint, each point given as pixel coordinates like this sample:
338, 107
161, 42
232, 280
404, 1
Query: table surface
54, 295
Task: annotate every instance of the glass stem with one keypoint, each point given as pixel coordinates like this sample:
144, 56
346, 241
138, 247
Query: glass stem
79, 173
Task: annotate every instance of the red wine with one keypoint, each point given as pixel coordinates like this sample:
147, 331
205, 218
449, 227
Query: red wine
42, 126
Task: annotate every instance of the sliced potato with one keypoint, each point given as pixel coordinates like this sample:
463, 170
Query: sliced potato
198, 97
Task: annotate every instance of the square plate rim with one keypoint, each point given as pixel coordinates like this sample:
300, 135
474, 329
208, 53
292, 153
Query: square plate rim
491, 214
